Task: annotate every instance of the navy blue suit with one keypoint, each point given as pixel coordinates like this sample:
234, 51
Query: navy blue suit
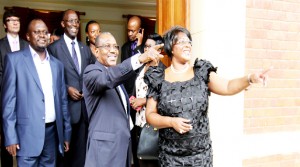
109, 140
6, 158
24, 108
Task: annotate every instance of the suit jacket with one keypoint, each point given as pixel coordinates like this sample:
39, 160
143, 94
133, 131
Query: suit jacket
109, 139
125, 54
4, 49
60, 50
23, 104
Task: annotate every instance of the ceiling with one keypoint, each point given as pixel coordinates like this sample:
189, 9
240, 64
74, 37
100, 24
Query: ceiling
119, 2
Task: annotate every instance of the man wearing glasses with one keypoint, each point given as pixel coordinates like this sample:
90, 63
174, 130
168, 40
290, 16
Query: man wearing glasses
107, 102
75, 56
10, 43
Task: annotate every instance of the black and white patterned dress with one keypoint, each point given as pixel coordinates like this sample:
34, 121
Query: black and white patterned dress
187, 99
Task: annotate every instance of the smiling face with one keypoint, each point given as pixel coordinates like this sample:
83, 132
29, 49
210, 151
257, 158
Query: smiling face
107, 51
37, 35
93, 32
70, 24
182, 48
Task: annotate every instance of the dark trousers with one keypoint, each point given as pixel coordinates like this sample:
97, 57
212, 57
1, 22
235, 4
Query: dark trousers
6, 158
134, 141
75, 157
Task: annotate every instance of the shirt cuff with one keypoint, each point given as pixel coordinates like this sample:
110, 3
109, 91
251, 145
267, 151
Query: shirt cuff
135, 63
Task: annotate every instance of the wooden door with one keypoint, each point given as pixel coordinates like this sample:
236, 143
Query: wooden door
170, 13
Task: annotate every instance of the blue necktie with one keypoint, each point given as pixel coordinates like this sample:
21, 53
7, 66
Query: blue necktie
74, 56
133, 46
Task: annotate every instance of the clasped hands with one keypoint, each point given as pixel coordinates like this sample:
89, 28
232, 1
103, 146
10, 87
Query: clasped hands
151, 56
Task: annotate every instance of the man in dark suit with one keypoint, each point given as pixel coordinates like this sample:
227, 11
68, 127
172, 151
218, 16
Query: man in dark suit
75, 56
36, 121
131, 47
109, 141
10, 43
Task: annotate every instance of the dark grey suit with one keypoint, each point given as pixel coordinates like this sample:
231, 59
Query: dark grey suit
6, 158
4, 49
109, 140
77, 109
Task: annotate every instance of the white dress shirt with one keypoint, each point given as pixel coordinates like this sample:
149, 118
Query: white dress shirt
69, 45
45, 76
13, 42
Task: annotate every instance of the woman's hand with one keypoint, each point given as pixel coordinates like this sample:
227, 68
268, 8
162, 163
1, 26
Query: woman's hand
181, 125
259, 77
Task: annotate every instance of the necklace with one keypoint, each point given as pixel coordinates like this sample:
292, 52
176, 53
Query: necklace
180, 71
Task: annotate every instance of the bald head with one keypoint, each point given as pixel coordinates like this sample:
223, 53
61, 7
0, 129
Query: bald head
133, 26
107, 50
70, 23
135, 21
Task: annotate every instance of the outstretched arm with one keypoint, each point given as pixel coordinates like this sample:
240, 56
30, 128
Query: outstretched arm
223, 86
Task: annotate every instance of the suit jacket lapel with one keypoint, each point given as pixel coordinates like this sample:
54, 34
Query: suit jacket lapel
82, 56
31, 67
22, 43
54, 74
6, 45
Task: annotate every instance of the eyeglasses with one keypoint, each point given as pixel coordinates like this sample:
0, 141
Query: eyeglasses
40, 33
108, 47
13, 20
147, 46
73, 21
183, 42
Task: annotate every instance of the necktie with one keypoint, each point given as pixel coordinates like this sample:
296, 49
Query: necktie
133, 46
14, 46
74, 56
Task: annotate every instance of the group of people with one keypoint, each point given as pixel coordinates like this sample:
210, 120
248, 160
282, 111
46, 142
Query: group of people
68, 104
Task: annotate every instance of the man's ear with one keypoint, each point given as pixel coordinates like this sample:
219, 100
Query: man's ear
4, 26
62, 23
27, 37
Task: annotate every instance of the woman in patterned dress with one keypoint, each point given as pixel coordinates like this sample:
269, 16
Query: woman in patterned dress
177, 101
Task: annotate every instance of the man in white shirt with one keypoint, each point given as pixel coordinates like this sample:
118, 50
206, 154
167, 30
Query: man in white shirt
10, 43
36, 121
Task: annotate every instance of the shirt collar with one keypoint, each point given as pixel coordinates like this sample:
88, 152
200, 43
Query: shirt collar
35, 55
69, 40
11, 38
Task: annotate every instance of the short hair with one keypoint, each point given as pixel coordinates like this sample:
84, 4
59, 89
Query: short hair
99, 38
171, 37
89, 23
36, 19
9, 13
156, 37
66, 11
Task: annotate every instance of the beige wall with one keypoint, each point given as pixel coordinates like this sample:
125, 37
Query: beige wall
218, 35
260, 127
